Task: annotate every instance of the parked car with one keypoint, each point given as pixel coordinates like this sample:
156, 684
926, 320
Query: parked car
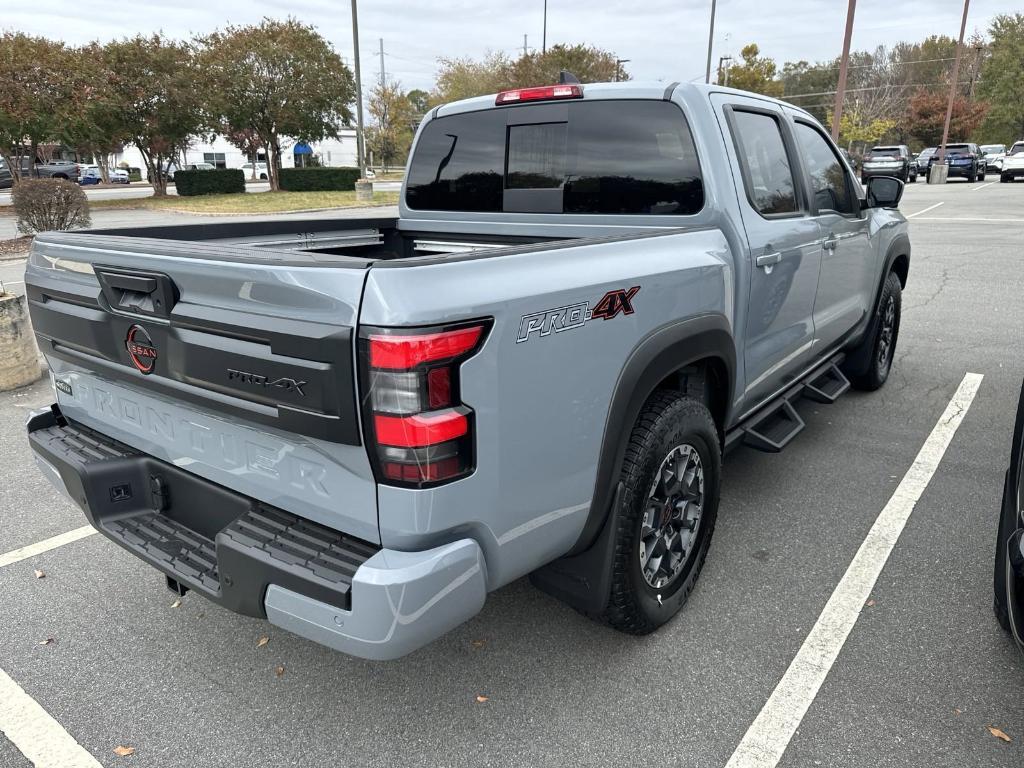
6, 179
963, 160
1013, 163
91, 174
1008, 579
889, 161
171, 168
993, 154
924, 159
54, 169
357, 428
261, 171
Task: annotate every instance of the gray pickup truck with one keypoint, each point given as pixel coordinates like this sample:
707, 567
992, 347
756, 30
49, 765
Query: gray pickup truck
357, 428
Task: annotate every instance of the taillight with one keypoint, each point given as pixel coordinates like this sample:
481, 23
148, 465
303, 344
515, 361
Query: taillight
542, 93
418, 430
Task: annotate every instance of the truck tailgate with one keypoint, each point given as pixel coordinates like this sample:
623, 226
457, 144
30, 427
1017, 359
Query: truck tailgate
230, 364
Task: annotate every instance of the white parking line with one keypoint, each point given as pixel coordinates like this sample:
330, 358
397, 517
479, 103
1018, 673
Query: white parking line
32, 730
929, 208
46, 545
768, 736
955, 219
975, 189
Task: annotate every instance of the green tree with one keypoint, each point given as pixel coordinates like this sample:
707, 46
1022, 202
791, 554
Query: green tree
1002, 79
756, 73
36, 95
278, 79
464, 78
96, 127
810, 86
152, 83
420, 101
393, 122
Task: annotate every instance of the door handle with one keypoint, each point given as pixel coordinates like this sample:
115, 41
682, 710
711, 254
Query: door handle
768, 259
830, 242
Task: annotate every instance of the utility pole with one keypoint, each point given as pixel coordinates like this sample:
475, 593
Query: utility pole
952, 83
618, 67
837, 109
524, 46
544, 39
359, 93
383, 80
711, 40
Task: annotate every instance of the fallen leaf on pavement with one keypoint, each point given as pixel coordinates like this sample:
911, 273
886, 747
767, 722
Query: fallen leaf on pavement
279, 670
124, 751
478, 643
481, 699
176, 603
870, 603
47, 641
262, 641
956, 711
39, 574
998, 733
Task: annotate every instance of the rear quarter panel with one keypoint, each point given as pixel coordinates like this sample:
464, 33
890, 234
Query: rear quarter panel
540, 404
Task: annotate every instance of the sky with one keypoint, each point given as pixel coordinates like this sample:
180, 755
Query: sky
664, 40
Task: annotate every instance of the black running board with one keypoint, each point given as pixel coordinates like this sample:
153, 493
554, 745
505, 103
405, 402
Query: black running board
773, 426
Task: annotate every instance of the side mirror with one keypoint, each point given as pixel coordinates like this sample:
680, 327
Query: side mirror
884, 192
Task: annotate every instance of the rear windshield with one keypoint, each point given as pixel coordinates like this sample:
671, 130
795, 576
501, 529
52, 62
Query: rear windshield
629, 157
884, 152
1016, 149
958, 148
992, 149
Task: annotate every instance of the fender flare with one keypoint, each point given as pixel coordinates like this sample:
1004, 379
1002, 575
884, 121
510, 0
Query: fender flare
582, 577
664, 351
898, 250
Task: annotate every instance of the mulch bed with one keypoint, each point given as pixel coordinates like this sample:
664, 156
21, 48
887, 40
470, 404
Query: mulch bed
15, 249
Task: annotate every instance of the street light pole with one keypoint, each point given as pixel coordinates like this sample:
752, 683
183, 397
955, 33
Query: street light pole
952, 83
711, 40
359, 94
618, 67
837, 109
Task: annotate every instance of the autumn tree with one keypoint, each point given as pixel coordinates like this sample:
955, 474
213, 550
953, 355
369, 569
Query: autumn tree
927, 115
247, 141
420, 101
393, 121
96, 127
36, 95
152, 83
278, 79
755, 73
1002, 79
464, 78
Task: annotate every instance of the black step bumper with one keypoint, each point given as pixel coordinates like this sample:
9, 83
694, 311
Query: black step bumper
223, 545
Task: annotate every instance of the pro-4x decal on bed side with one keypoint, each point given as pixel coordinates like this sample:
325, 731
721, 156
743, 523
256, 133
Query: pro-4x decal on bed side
612, 304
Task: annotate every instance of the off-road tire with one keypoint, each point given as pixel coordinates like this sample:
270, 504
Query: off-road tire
668, 420
877, 371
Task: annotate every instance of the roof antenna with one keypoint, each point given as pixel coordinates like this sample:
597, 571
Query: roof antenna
565, 77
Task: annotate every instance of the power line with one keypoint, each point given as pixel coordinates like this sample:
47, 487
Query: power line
872, 88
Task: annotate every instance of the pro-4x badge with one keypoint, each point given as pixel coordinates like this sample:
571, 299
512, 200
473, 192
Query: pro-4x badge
612, 304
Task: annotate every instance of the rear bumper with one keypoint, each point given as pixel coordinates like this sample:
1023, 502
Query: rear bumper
894, 172
1013, 173
259, 560
961, 170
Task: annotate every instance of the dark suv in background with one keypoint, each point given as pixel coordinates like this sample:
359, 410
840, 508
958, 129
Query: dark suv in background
889, 161
964, 160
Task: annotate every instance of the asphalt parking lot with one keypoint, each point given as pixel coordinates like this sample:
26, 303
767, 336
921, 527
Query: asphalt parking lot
923, 674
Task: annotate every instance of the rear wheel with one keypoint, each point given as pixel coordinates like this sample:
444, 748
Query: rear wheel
671, 477
1005, 530
880, 346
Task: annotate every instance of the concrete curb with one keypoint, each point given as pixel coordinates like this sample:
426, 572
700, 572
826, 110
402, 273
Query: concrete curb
19, 360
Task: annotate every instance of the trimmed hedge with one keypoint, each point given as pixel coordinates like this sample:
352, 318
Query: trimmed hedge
219, 181
319, 179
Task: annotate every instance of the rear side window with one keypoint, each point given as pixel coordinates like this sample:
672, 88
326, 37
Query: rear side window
828, 178
767, 173
607, 157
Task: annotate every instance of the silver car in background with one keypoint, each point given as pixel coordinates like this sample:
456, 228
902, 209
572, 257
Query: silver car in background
994, 154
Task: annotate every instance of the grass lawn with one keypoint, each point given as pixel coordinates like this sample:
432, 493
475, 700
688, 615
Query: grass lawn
249, 202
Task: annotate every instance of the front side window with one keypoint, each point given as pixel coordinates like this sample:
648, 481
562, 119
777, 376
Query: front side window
606, 157
828, 179
768, 175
